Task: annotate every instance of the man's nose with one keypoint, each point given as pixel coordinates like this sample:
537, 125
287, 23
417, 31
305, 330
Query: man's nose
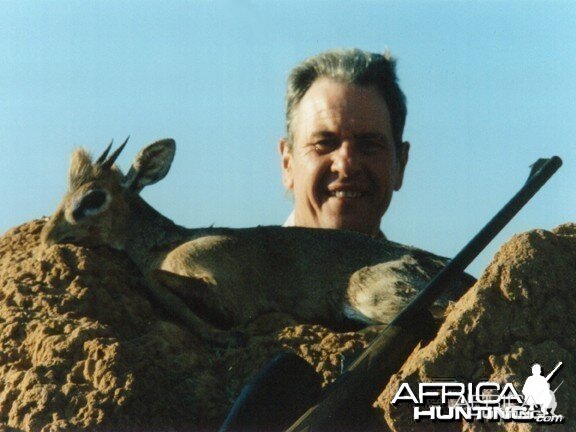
346, 159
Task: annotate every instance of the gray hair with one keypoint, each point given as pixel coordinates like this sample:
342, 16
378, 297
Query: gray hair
351, 66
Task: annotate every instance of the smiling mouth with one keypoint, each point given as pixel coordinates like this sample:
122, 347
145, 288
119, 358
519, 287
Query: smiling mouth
346, 194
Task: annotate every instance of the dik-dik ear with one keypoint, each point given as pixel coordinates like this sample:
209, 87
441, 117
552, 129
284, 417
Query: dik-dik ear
151, 165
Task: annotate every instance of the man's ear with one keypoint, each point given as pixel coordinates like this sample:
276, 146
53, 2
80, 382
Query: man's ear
402, 160
286, 155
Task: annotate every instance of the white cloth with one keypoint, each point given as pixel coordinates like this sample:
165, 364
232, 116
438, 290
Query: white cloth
289, 222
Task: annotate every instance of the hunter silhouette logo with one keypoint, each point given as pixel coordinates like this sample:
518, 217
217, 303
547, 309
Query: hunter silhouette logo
454, 401
537, 391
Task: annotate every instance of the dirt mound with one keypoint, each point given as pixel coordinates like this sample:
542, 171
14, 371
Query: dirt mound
83, 348
520, 312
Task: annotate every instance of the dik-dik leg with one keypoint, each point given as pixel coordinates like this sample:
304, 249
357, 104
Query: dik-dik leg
160, 285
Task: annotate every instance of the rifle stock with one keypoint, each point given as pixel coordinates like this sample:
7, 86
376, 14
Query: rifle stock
370, 372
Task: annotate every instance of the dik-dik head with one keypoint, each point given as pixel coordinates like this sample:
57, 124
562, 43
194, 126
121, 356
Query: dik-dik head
96, 208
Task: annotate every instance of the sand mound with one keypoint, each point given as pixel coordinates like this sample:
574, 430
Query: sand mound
83, 348
520, 312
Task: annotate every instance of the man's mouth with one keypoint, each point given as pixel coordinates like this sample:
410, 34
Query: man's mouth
346, 194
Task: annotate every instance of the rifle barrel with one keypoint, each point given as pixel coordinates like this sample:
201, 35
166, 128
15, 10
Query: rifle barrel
553, 371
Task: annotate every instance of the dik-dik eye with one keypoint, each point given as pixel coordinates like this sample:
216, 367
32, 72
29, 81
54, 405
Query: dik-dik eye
94, 202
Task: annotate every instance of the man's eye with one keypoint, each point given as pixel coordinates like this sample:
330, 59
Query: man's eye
325, 146
371, 146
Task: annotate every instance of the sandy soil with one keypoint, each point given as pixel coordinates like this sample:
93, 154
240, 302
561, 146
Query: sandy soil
520, 312
83, 348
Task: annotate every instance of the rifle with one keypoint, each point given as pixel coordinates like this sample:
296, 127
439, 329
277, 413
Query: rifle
551, 374
342, 404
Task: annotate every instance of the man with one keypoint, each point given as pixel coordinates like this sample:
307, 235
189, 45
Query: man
343, 156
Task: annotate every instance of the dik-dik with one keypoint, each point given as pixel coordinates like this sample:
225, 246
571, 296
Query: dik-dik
215, 278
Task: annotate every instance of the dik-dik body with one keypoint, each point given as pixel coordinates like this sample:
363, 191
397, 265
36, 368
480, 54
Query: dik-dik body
214, 278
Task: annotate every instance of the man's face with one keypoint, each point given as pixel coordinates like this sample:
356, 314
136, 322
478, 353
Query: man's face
343, 166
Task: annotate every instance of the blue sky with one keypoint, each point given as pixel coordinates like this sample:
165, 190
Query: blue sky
490, 84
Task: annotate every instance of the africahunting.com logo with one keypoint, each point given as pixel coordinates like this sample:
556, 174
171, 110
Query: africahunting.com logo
486, 400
